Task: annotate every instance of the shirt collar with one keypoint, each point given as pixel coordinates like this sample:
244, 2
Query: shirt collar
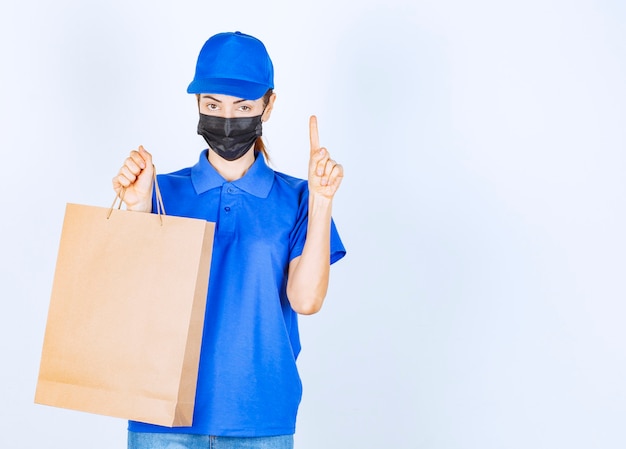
257, 181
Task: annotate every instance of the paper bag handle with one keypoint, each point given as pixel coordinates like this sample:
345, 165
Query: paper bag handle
159, 199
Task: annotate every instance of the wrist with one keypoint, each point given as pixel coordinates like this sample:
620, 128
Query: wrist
139, 207
320, 213
318, 202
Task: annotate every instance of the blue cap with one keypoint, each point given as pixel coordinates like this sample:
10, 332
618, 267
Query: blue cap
233, 64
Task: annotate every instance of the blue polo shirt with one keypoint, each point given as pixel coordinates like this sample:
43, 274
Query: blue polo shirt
248, 382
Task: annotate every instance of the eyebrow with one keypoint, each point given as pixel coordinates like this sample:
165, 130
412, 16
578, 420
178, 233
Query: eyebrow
218, 101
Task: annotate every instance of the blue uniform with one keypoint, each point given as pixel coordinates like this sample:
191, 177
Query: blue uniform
248, 383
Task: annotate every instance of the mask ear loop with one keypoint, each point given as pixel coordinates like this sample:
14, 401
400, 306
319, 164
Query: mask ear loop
159, 199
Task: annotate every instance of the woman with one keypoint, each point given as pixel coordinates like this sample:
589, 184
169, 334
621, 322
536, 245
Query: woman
274, 243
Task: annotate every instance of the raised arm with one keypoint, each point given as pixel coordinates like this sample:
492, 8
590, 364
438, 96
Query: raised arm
307, 283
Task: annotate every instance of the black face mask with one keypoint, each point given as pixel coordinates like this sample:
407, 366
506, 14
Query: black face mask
230, 138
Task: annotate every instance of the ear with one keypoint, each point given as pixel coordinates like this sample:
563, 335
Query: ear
268, 108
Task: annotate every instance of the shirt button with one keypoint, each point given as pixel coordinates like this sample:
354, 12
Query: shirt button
231, 190
227, 209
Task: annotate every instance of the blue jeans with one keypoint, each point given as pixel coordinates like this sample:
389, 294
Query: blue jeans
141, 440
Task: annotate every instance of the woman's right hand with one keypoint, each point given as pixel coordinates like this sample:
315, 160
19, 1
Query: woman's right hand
135, 177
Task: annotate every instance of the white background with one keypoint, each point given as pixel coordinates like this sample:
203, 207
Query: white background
481, 304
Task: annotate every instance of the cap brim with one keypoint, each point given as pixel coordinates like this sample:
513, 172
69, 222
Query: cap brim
236, 88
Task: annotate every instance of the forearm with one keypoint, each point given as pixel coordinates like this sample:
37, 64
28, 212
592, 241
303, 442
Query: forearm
309, 273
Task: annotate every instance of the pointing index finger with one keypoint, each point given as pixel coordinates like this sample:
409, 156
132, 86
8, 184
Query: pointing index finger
313, 134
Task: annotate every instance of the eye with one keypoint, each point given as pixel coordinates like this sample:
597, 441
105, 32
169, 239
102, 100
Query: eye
212, 106
245, 108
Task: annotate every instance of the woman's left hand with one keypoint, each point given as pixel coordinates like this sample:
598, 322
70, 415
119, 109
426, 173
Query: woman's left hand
307, 282
325, 175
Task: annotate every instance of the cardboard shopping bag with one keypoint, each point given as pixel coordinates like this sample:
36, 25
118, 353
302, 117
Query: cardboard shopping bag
126, 315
